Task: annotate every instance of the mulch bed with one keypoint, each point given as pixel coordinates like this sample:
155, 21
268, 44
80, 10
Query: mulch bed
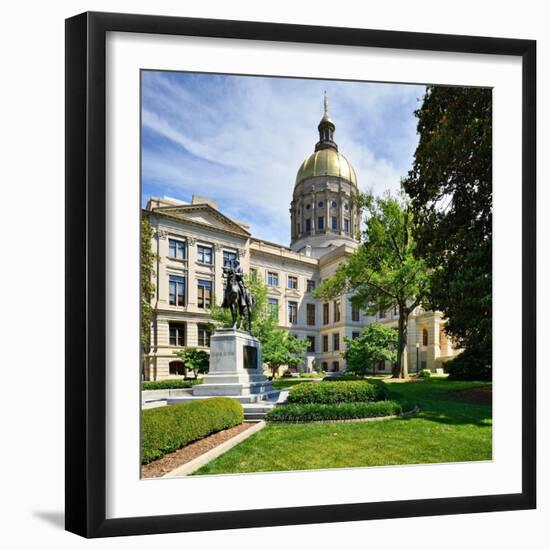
170, 461
481, 396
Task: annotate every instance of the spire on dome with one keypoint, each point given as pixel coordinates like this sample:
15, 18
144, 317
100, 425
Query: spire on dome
326, 129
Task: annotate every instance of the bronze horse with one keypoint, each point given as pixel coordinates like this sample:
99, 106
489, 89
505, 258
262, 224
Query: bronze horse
238, 300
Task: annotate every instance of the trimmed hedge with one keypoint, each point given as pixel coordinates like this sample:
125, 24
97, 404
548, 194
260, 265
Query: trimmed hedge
337, 411
166, 429
424, 373
170, 384
344, 392
342, 378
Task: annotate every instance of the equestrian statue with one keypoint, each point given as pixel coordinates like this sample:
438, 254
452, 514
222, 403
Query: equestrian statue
237, 298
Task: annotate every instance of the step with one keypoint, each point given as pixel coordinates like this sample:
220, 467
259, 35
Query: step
256, 411
254, 417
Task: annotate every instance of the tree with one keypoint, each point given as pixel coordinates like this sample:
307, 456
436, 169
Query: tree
384, 271
450, 186
194, 359
279, 348
148, 258
376, 343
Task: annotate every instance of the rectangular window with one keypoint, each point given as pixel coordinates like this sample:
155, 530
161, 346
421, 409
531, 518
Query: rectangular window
310, 285
346, 225
355, 335
355, 313
177, 334
336, 311
321, 223
325, 343
273, 308
229, 258
310, 309
334, 223
176, 286
204, 335
204, 291
336, 341
292, 312
204, 254
325, 314
311, 344
292, 282
308, 226
272, 278
176, 249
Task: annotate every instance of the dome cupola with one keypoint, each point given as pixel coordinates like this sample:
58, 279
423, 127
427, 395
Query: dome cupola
326, 160
323, 214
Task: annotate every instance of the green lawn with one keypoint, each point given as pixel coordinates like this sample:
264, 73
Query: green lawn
447, 429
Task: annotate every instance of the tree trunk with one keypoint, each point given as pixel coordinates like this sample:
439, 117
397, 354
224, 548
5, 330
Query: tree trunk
400, 370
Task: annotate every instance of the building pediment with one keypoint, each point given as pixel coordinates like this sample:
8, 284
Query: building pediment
204, 215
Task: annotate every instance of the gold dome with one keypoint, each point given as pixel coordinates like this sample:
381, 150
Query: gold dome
326, 162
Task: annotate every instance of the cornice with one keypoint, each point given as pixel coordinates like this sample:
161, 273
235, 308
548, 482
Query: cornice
169, 212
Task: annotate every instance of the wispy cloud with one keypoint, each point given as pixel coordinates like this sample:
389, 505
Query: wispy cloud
240, 140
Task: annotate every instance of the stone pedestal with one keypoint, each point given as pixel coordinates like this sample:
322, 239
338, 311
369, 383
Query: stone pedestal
235, 366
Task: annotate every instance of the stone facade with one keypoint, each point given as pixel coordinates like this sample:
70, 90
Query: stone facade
194, 240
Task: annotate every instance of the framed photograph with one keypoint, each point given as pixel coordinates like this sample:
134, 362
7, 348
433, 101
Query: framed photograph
300, 278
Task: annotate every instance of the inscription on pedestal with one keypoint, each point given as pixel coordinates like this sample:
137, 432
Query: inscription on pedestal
250, 357
218, 354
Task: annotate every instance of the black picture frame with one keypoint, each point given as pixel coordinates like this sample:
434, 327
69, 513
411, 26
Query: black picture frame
86, 274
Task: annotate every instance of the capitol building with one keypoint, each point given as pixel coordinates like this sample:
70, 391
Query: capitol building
194, 241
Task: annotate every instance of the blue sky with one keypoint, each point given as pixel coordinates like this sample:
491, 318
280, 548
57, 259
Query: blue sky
240, 140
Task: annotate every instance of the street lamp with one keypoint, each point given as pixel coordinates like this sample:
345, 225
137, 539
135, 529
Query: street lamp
417, 351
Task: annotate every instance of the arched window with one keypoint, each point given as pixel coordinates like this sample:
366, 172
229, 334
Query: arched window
424, 336
176, 368
324, 366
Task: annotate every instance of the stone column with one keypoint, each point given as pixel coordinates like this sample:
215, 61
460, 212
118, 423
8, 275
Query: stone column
328, 226
190, 282
217, 272
313, 211
161, 276
433, 351
191, 334
340, 210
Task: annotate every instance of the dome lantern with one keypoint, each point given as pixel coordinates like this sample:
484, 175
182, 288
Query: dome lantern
326, 130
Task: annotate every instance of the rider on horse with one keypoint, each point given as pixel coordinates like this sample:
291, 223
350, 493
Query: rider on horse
237, 298
237, 272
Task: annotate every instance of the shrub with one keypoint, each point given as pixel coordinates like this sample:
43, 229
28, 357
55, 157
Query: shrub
309, 375
467, 366
169, 384
312, 412
166, 429
342, 378
344, 392
424, 373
